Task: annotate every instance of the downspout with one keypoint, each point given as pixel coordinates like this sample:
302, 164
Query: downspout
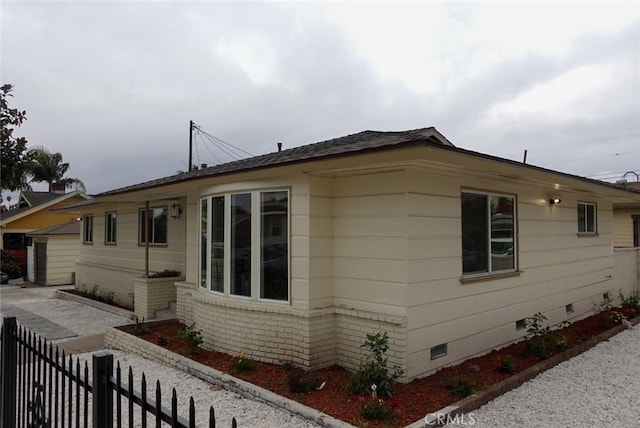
146, 239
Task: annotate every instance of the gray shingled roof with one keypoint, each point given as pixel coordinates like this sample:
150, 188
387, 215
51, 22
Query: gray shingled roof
34, 199
71, 228
350, 144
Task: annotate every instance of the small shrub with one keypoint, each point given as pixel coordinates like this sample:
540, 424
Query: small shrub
374, 408
560, 341
192, 336
242, 363
632, 301
299, 381
9, 264
461, 386
539, 344
139, 329
506, 365
604, 306
163, 341
373, 370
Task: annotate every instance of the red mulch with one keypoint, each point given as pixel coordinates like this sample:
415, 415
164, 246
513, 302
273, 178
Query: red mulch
415, 399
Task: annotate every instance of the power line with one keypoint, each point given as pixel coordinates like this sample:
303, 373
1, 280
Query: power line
593, 157
208, 140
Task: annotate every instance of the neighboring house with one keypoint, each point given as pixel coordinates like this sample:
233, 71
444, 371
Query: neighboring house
34, 210
298, 254
627, 220
55, 253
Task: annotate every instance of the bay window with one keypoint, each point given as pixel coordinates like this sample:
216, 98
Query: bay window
488, 233
244, 247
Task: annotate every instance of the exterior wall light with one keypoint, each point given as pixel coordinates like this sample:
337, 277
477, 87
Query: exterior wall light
554, 201
176, 211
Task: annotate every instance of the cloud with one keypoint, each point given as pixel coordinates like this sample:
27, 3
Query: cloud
113, 85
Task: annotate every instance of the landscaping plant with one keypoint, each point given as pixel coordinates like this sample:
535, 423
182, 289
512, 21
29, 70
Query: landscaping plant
299, 381
506, 365
373, 370
461, 386
242, 363
192, 336
138, 328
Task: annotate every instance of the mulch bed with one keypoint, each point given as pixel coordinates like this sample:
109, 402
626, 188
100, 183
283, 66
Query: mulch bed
414, 400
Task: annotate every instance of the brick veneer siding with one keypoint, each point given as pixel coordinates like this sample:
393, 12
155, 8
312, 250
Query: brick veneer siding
352, 328
310, 338
153, 294
184, 303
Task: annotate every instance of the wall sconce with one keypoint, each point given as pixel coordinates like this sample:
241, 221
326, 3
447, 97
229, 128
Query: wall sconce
176, 211
554, 201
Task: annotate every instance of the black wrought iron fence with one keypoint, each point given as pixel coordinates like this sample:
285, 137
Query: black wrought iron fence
41, 387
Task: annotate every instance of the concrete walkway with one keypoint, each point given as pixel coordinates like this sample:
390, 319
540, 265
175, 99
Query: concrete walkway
72, 326
42, 326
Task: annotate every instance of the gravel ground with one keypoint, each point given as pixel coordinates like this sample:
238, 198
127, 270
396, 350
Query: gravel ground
82, 319
599, 388
227, 405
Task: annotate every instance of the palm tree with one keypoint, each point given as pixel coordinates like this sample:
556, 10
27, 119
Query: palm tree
48, 167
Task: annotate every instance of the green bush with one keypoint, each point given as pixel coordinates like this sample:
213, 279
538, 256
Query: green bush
192, 336
242, 363
376, 408
632, 301
373, 370
461, 386
9, 264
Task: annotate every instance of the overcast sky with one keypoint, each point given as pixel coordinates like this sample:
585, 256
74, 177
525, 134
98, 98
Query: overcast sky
113, 85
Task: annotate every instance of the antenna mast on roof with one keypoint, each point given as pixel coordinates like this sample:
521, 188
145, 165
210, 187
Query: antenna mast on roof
190, 145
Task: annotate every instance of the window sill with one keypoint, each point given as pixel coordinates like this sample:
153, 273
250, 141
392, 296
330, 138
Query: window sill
87, 243
142, 244
489, 277
587, 234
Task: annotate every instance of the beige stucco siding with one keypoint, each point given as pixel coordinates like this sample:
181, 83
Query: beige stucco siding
623, 227
369, 228
557, 267
112, 268
61, 256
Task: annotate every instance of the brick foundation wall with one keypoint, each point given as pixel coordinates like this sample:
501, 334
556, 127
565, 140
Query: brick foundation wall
184, 303
352, 328
310, 338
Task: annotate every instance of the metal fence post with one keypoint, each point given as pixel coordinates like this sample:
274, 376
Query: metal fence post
102, 390
9, 366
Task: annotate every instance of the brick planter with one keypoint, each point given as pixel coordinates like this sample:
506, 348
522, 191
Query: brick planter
154, 294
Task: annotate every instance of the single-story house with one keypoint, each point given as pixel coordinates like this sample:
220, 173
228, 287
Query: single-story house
55, 251
33, 211
298, 254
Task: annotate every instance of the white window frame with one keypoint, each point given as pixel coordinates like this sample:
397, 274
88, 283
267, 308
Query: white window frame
256, 232
141, 238
87, 229
583, 206
110, 225
490, 271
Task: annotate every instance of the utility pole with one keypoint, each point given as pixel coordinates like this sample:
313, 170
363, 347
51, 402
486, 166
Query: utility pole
190, 145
